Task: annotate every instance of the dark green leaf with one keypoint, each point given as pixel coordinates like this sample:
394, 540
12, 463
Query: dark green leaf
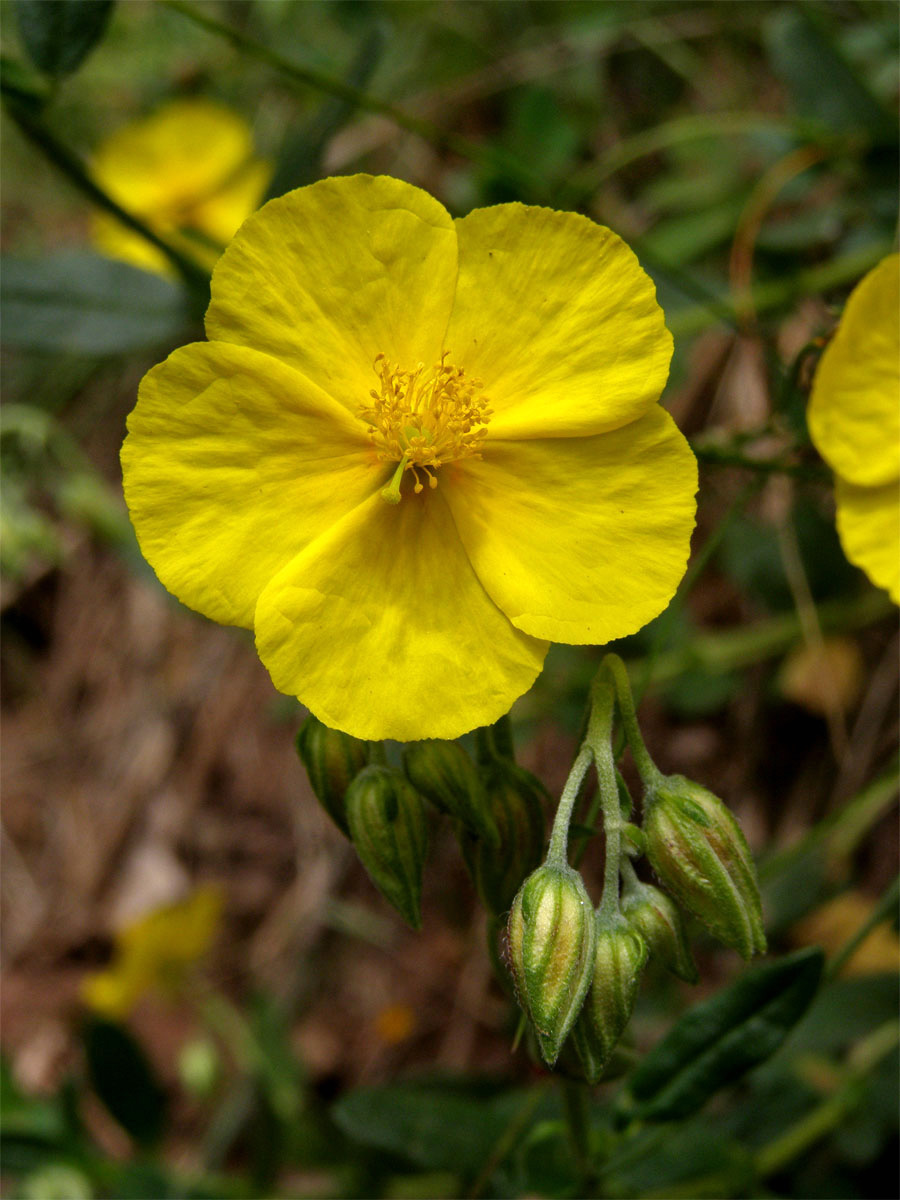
440, 1128
804, 55
718, 1041
124, 1080
59, 34
79, 303
22, 84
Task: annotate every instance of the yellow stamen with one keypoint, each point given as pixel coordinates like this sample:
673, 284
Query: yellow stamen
422, 418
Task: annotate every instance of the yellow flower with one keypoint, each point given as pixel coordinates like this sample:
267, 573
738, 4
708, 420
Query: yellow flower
854, 421
155, 953
188, 172
413, 451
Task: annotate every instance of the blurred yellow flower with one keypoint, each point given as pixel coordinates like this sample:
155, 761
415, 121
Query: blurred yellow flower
836, 921
155, 953
189, 172
414, 450
854, 421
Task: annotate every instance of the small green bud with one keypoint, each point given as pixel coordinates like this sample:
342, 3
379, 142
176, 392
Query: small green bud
515, 803
551, 936
445, 775
389, 828
701, 856
619, 957
332, 760
660, 924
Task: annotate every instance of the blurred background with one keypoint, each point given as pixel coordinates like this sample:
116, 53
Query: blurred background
202, 992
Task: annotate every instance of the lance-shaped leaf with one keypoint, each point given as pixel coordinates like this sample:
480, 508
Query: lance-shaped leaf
718, 1041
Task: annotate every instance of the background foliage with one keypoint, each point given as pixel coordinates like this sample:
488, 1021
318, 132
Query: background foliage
748, 152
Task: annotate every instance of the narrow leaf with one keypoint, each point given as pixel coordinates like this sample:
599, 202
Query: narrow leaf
124, 1080
59, 34
79, 303
718, 1041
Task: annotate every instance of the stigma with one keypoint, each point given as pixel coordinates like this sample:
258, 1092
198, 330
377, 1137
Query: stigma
423, 418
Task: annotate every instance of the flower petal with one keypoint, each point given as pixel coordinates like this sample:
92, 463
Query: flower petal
557, 318
868, 521
178, 155
382, 629
232, 464
581, 539
854, 410
331, 275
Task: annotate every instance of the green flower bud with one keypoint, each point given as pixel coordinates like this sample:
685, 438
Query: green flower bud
445, 775
619, 957
389, 828
332, 760
515, 803
700, 854
551, 951
660, 924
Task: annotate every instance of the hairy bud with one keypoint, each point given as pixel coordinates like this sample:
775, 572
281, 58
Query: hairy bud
515, 803
656, 917
332, 760
388, 824
551, 936
701, 856
445, 775
619, 957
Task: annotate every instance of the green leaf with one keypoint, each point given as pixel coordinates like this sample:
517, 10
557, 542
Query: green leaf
124, 1080
76, 302
822, 81
438, 1126
718, 1041
59, 34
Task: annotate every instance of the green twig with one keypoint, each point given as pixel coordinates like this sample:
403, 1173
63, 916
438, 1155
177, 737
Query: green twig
68, 164
649, 772
576, 1109
777, 293
559, 837
600, 735
884, 909
312, 77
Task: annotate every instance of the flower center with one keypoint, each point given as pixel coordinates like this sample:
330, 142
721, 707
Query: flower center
423, 418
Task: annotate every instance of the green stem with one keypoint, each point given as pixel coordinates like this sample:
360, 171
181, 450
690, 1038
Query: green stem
377, 754
70, 165
559, 838
714, 455
576, 1109
600, 736
323, 82
886, 907
647, 769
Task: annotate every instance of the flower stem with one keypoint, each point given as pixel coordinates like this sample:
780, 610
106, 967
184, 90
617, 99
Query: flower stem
649, 772
559, 837
600, 737
71, 166
576, 1109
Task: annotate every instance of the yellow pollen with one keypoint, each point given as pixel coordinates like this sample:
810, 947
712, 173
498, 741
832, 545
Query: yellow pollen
423, 418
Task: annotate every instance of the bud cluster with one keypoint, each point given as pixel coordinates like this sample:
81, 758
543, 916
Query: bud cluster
496, 808
576, 970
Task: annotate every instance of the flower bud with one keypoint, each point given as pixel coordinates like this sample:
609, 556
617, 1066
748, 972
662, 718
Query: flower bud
387, 821
444, 774
515, 804
551, 936
619, 957
700, 854
332, 760
660, 924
